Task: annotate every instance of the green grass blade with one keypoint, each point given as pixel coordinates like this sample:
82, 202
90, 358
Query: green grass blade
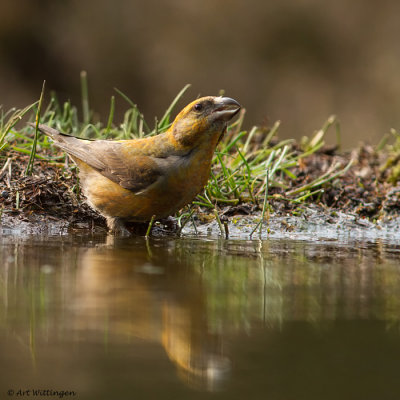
166, 117
85, 98
110, 115
29, 167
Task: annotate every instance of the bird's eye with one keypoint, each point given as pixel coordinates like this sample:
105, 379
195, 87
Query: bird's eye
198, 107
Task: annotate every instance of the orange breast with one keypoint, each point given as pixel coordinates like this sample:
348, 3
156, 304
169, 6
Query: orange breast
173, 191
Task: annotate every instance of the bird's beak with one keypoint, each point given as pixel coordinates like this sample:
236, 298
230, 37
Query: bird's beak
225, 108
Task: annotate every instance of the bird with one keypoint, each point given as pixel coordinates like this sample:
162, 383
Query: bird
151, 178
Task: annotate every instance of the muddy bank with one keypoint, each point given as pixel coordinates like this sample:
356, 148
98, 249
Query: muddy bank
313, 225
365, 201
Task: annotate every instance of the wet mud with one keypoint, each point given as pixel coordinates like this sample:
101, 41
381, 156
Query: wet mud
364, 201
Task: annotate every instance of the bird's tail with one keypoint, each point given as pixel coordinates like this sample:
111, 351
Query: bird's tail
66, 142
57, 136
47, 130
77, 148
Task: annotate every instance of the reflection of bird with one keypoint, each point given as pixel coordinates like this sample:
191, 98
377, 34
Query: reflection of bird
132, 180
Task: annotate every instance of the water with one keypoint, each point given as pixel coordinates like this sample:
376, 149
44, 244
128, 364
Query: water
105, 318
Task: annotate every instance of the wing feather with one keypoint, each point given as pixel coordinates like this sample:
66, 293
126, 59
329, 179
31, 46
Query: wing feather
133, 170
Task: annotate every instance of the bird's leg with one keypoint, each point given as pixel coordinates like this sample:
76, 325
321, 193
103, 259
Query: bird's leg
117, 226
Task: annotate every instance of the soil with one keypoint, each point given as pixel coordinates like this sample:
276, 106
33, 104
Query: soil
49, 202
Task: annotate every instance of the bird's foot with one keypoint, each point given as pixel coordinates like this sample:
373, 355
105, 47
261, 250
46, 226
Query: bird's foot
117, 227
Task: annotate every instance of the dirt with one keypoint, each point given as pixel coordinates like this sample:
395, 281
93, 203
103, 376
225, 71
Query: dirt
49, 201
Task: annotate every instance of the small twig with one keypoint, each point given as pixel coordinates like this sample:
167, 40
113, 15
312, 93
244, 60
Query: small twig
226, 230
17, 200
194, 226
9, 175
5, 166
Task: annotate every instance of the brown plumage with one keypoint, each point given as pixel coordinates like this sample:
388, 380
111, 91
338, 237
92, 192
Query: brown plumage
132, 180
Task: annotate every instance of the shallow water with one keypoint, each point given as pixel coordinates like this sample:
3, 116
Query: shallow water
105, 318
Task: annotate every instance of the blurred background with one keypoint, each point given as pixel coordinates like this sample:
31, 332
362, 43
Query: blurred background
298, 61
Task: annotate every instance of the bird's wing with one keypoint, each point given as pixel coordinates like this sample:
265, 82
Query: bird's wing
131, 170
125, 165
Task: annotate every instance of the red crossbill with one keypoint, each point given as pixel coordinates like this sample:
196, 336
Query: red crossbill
134, 180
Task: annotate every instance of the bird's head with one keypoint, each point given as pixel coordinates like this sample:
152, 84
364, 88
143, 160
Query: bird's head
203, 119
